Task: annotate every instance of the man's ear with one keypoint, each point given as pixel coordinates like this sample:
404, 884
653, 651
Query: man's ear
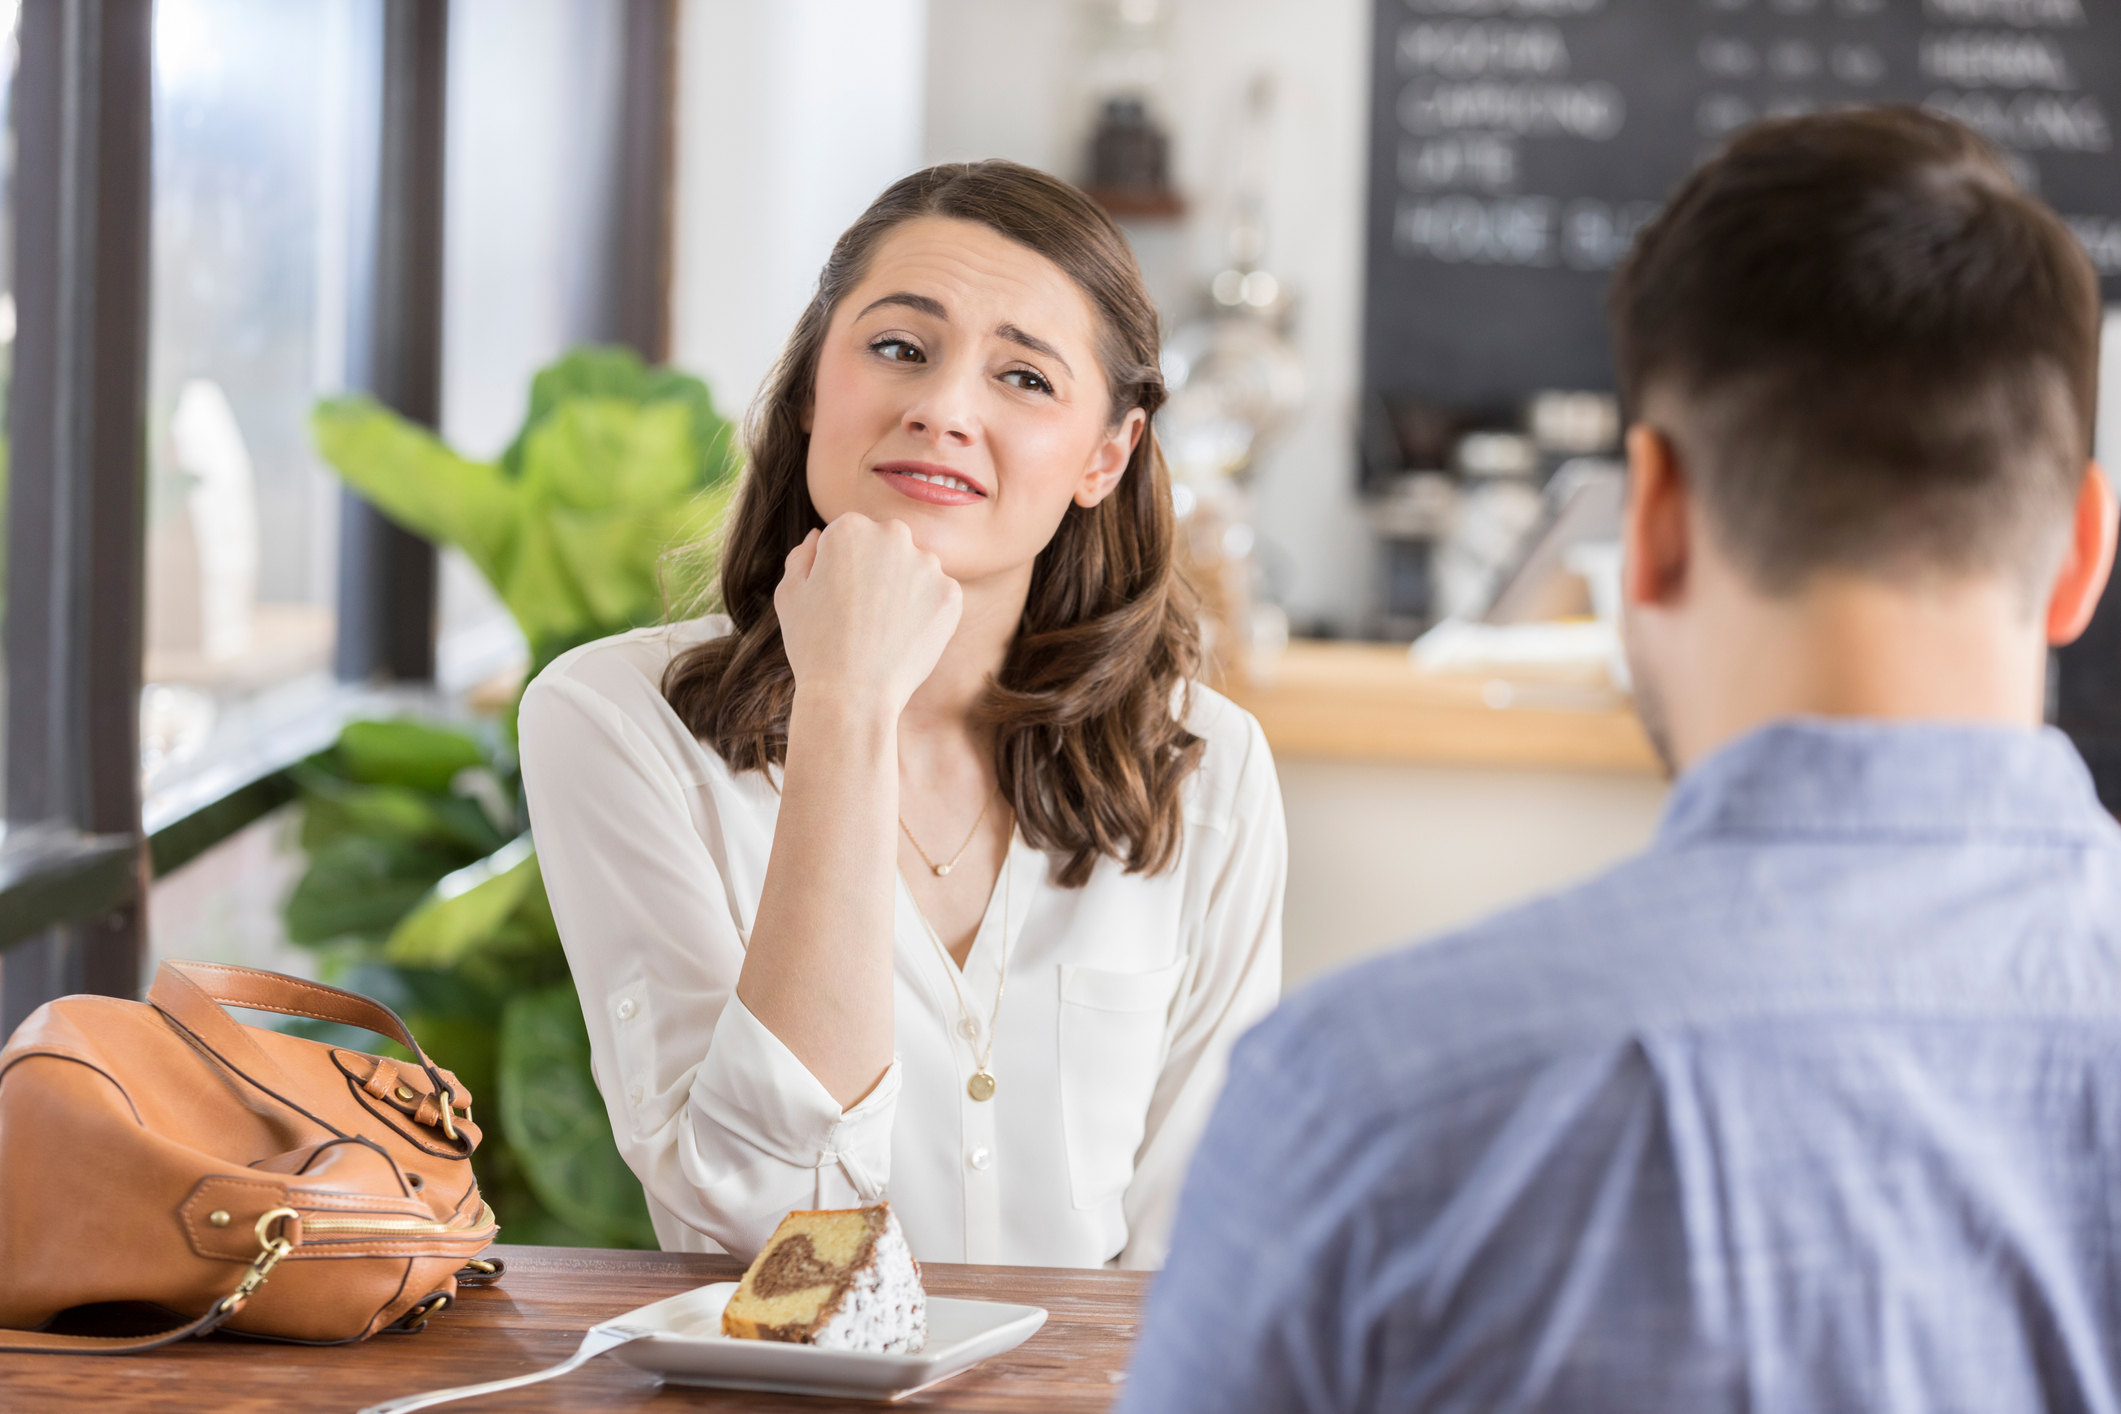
1655, 526
2086, 563
1109, 462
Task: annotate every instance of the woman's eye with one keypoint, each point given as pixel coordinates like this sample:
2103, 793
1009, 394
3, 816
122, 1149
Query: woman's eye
898, 351
1028, 380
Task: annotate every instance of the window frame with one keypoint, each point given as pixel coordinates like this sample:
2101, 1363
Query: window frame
389, 577
77, 857
70, 861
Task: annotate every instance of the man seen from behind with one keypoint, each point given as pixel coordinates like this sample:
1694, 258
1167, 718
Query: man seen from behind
1816, 1104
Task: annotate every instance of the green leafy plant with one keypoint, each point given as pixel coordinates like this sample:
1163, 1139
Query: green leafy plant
615, 465
423, 887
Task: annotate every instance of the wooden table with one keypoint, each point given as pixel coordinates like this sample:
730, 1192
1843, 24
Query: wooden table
536, 1317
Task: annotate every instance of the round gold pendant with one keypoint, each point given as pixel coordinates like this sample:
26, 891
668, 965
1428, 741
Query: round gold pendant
980, 1086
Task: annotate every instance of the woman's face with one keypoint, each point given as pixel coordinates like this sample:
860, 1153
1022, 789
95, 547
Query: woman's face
959, 391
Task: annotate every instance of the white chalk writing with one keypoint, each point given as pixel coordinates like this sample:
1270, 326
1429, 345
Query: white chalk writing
1596, 235
2026, 14
2101, 239
2030, 121
1479, 160
1521, 9
1464, 229
1586, 110
1477, 48
1985, 60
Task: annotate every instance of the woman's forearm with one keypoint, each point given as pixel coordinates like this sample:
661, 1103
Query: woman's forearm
817, 971
864, 614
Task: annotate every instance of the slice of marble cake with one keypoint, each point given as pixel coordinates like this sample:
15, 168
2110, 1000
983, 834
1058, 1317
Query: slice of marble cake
840, 1279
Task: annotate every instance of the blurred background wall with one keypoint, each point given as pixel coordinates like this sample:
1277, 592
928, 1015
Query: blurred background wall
1017, 82
795, 115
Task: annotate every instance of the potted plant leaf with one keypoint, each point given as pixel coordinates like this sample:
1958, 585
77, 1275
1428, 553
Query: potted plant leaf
423, 887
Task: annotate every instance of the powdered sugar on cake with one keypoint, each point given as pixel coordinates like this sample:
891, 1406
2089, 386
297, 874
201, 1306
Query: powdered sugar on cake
883, 1307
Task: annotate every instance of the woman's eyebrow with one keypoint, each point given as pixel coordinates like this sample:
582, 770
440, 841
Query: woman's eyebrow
1034, 343
923, 303
933, 307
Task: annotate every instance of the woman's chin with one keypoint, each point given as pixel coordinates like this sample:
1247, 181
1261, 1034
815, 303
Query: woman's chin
975, 566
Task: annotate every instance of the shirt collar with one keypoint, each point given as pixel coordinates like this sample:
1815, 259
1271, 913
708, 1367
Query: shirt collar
1829, 777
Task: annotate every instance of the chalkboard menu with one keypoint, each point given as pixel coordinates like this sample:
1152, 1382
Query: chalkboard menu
1517, 145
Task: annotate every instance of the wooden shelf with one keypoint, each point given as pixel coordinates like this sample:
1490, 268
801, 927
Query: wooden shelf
1367, 701
1129, 204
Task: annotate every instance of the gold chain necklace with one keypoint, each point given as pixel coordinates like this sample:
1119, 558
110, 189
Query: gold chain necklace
942, 871
981, 1085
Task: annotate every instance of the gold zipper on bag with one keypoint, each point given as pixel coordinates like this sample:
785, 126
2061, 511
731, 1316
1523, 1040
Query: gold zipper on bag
401, 1227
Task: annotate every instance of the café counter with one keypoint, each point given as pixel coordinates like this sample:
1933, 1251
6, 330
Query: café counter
1420, 800
1367, 701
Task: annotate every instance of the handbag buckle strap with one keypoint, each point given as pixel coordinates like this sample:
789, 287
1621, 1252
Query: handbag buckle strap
270, 1250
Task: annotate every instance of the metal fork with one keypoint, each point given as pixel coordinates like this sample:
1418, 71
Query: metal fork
595, 1343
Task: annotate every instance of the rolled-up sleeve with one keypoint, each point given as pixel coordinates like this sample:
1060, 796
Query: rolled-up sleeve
725, 1128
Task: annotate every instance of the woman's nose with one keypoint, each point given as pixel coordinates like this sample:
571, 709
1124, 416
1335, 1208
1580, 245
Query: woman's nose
943, 411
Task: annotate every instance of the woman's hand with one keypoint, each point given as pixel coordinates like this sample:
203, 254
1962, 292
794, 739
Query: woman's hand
865, 613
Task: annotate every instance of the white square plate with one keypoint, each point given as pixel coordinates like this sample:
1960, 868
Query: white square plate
688, 1347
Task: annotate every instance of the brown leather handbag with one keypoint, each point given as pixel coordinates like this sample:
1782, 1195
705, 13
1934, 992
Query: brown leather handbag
166, 1171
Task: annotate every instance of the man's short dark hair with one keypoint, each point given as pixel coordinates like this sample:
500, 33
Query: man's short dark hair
1873, 350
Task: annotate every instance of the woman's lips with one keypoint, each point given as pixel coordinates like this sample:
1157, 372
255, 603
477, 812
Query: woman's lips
925, 481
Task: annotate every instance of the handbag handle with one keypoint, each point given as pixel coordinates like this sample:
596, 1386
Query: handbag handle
193, 993
53, 1343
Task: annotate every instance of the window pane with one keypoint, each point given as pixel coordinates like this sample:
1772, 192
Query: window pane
533, 117
264, 136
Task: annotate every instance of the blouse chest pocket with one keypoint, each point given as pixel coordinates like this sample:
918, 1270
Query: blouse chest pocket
1112, 1028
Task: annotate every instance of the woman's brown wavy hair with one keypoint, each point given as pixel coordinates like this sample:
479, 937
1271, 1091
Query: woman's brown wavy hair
1089, 743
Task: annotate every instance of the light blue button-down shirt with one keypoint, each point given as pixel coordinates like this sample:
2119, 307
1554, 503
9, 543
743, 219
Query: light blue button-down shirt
1815, 1106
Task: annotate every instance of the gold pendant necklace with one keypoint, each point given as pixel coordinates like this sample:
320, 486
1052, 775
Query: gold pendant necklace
942, 871
982, 1084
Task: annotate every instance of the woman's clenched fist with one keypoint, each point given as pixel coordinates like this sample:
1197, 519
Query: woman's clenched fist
865, 613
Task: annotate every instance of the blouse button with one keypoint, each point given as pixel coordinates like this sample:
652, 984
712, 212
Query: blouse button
968, 1028
979, 1158
626, 1009
634, 1094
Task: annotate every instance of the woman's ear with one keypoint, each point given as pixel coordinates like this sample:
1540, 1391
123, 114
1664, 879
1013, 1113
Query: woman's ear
1109, 462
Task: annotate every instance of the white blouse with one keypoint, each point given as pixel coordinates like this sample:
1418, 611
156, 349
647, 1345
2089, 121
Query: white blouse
1123, 1000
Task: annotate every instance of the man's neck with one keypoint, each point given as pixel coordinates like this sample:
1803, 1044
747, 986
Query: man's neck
1846, 646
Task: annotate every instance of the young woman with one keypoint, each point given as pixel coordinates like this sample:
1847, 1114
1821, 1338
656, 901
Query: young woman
926, 866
